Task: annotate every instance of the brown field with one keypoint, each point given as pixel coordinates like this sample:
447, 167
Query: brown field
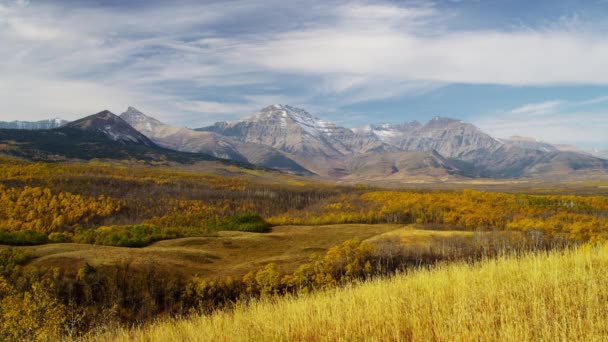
229, 253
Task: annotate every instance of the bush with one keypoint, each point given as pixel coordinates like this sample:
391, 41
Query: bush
60, 237
244, 223
22, 238
123, 236
133, 235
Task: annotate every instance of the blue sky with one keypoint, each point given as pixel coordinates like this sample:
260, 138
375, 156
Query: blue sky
530, 68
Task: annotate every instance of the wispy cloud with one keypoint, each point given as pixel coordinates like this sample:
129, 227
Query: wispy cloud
594, 101
213, 61
538, 108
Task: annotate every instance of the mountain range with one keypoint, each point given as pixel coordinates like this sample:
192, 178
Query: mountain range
99, 136
291, 139
442, 147
43, 124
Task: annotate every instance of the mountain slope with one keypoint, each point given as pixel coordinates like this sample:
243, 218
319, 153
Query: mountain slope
187, 140
43, 124
563, 163
530, 144
180, 138
102, 135
401, 166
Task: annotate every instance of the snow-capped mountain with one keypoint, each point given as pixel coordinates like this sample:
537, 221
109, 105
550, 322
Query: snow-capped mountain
43, 124
328, 149
144, 123
451, 138
188, 140
283, 128
292, 139
111, 126
295, 131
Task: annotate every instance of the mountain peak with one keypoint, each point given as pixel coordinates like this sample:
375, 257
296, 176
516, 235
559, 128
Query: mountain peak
440, 121
288, 116
136, 118
104, 117
112, 126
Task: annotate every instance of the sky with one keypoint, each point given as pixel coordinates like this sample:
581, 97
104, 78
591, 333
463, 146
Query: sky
518, 67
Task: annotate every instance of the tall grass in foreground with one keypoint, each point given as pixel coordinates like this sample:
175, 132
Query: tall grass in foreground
545, 296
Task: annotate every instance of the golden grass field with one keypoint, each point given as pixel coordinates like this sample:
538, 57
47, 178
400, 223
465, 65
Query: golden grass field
556, 296
228, 253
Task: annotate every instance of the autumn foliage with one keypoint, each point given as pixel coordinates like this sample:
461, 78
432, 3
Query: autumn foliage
579, 217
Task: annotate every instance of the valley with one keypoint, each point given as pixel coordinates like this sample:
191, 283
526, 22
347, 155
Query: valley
122, 221
231, 253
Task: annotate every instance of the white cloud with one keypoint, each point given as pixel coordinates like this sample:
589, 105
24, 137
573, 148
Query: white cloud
58, 59
595, 100
506, 58
212, 107
31, 31
538, 108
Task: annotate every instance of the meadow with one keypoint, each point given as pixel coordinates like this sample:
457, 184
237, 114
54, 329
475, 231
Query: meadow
90, 246
224, 254
554, 296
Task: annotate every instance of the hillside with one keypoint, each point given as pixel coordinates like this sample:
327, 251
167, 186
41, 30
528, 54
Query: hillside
535, 297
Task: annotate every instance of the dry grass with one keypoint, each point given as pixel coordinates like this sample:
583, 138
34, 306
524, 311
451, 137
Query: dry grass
228, 253
560, 296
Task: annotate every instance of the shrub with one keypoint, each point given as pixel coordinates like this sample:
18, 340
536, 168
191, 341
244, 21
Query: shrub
22, 238
245, 223
60, 237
